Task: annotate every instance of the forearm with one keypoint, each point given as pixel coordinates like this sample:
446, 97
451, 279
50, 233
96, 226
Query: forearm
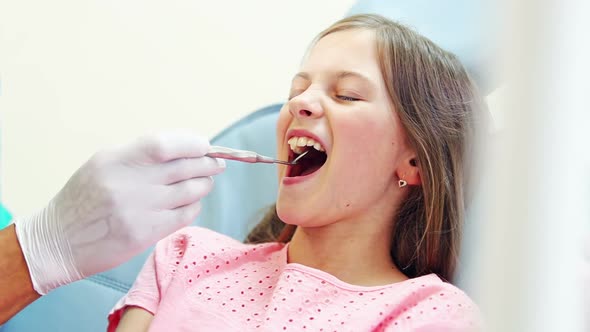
16, 288
135, 319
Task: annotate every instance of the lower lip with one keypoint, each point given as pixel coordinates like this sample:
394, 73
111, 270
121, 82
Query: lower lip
298, 179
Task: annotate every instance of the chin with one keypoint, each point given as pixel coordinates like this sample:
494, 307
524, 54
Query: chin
290, 214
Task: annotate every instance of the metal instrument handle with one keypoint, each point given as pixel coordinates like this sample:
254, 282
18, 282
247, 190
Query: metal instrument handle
232, 154
243, 155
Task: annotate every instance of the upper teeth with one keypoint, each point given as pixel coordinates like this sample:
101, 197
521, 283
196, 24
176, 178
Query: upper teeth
297, 144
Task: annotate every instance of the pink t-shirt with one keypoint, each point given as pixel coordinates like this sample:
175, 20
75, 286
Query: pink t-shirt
199, 280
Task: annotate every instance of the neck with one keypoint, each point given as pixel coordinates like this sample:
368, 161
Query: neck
351, 251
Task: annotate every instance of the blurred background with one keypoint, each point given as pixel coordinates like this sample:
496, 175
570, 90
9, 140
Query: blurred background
77, 76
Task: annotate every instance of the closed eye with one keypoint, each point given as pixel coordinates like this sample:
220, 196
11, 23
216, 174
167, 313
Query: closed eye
347, 98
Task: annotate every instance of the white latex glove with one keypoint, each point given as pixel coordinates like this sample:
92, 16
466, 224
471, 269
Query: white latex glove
117, 205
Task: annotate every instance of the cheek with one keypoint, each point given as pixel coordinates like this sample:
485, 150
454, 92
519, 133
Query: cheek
370, 144
367, 135
282, 126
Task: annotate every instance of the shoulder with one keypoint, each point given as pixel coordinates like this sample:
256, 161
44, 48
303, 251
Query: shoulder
195, 236
195, 240
432, 304
201, 246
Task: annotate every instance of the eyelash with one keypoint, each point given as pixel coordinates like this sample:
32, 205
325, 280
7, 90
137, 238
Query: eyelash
341, 97
347, 98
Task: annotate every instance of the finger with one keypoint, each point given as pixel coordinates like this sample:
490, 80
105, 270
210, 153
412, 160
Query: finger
186, 215
172, 145
186, 192
169, 221
183, 169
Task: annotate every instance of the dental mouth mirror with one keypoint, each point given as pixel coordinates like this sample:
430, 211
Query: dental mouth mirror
247, 156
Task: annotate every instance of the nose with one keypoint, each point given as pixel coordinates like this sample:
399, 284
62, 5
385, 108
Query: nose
306, 105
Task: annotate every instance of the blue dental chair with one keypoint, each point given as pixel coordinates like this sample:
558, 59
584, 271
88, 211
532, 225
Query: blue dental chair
244, 190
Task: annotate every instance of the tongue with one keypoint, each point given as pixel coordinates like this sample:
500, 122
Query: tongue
310, 163
310, 169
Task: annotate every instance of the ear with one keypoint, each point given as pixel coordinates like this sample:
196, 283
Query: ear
408, 170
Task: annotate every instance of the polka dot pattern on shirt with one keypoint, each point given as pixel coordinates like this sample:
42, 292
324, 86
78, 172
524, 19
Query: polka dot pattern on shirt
251, 287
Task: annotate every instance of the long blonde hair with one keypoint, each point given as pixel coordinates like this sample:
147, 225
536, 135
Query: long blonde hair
439, 107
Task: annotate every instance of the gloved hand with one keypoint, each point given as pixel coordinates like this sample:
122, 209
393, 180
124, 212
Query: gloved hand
115, 206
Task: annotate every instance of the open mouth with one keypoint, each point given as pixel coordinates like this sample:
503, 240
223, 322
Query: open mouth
311, 162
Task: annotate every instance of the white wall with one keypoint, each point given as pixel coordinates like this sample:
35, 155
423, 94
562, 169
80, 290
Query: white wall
80, 75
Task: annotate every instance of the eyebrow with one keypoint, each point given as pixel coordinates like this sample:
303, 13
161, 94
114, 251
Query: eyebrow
340, 75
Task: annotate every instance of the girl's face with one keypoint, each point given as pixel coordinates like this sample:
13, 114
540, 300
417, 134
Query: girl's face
339, 109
